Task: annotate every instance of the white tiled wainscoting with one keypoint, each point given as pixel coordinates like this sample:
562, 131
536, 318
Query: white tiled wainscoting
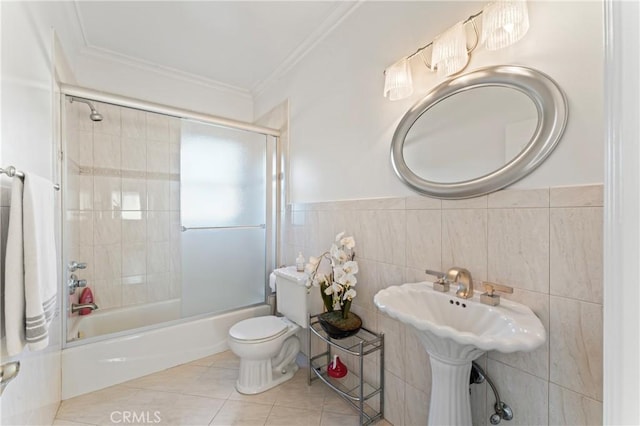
546, 243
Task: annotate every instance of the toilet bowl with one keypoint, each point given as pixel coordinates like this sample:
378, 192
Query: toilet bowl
268, 346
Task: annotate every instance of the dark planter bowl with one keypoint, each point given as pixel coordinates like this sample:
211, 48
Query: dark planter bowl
337, 328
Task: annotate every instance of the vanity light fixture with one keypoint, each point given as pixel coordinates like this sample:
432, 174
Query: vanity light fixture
449, 52
504, 22
397, 80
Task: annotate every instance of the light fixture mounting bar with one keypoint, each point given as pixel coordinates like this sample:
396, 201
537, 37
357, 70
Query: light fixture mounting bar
466, 21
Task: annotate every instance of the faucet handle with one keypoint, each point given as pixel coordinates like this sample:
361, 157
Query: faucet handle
74, 283
74, 266
489, 298
441, 284
439, 275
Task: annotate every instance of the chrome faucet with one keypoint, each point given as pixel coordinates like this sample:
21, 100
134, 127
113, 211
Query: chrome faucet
73, 283
75, 307
462, 277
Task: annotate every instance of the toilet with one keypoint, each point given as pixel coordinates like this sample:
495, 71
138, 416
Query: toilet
268, 346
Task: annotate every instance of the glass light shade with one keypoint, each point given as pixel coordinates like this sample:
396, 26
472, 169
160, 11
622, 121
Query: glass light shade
503, 23
449, 54
397, 80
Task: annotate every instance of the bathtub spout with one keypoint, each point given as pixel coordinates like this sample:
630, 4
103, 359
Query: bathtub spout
76, 307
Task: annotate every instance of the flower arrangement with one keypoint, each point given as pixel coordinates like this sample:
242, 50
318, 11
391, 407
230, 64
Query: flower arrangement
336, 276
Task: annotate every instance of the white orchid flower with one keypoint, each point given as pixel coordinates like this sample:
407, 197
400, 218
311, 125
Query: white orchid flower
319, 279
338, 273
350, 267
335, 288
349, 294
337, 305
310, 267
339, 255
314, 260
348, 280
348, 242
339, 236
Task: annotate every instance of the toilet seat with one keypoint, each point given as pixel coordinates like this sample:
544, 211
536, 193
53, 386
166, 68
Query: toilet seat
258, 329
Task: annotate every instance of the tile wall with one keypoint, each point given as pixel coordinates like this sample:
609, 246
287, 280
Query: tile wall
123, 203
546, 243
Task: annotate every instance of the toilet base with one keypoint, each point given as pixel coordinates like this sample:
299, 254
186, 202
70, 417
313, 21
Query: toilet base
262, 380
257, 376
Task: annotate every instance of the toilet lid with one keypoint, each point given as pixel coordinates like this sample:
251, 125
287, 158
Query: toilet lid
258, 328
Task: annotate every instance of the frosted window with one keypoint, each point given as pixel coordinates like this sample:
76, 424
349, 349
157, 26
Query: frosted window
222, 176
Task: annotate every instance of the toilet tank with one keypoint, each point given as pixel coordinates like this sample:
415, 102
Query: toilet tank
293, 300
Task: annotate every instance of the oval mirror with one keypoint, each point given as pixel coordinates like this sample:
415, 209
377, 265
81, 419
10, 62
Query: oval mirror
479, 132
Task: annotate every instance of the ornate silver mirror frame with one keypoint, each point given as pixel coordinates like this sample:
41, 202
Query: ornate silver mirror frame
549, 100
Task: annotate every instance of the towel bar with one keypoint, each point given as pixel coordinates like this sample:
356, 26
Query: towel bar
12, 172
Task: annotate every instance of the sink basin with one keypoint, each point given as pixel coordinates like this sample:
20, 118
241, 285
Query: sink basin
454, 332
472, 327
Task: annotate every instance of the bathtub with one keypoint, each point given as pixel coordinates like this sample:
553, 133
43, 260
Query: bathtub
91, 363
109, 321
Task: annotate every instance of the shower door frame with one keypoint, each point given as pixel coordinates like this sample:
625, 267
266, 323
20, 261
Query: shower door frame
273, 191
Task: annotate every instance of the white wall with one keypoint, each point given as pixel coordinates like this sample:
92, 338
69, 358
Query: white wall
28, 143
341, 126
125, 78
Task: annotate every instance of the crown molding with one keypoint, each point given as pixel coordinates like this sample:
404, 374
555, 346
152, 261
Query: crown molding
78, 17
149, 66
105, 54
339, 14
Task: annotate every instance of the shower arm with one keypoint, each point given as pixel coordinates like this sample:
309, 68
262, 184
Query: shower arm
73, 99
95, 115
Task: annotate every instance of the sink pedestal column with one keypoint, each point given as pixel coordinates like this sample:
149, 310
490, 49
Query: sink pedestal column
450, 403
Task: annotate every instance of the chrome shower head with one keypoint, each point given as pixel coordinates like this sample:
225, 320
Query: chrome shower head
95, 115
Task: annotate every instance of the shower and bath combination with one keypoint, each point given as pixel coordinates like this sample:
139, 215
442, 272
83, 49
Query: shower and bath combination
95, 115
176, 286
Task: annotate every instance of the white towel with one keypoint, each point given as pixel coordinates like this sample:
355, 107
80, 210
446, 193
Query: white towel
14, 275
39, 282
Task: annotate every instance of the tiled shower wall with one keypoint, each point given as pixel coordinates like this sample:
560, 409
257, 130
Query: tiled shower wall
546, 243
123, 203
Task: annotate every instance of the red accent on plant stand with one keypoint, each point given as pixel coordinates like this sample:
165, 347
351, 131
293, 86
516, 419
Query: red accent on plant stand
337, 369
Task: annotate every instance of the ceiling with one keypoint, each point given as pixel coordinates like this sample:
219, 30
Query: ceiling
238, 44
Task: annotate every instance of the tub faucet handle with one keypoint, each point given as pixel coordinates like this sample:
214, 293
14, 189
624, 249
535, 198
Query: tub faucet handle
74, 266
74, 283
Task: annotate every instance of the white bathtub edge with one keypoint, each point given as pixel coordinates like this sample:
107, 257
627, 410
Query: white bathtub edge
98, 365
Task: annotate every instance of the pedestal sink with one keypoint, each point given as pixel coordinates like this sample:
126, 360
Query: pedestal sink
454, 332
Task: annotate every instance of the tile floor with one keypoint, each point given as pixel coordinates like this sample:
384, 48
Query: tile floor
202, 393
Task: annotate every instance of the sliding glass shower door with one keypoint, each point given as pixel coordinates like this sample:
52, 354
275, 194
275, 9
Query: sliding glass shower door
223, 217
165, 219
